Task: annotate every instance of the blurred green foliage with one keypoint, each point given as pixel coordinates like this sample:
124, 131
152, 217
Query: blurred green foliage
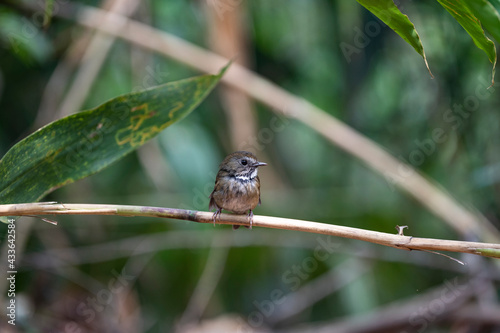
384, 91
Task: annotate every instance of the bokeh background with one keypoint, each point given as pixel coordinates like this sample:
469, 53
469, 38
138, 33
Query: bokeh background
117, 274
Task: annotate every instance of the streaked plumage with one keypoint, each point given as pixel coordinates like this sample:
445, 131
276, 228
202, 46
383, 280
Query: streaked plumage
237, 185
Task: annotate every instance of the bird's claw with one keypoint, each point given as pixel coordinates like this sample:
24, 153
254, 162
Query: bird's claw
250, 219
216, 215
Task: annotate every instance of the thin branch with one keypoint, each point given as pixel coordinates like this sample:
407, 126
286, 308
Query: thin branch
392, 240
206, 286
397, 173
94, 56
200, 239
85, 54
318, 289
446, 256
404, 315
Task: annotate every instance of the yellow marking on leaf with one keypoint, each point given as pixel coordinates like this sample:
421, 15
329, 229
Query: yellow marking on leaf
131, 134
51, 155
178, 106
144, 135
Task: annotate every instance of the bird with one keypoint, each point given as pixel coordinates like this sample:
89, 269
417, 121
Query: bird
237, 186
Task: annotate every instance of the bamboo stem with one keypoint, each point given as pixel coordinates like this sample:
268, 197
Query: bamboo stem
386, 239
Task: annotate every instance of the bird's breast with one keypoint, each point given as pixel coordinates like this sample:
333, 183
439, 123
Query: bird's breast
237, 196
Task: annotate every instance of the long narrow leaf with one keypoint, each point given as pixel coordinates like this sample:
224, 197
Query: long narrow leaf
80, 145
390, 14
487, 15
465, 17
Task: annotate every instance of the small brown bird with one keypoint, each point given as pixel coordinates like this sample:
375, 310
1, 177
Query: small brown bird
237, 186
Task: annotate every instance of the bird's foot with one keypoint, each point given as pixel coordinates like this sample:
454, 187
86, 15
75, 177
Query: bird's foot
250, 219
216, 215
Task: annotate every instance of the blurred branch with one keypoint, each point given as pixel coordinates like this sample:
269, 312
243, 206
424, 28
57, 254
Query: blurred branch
59, 81
93, 59
320, 288
227, 35
396, 172
87, 51
392, 240
205, 288
203, 240
404, 315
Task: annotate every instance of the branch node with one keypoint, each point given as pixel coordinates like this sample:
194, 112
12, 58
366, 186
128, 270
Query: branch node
401, 229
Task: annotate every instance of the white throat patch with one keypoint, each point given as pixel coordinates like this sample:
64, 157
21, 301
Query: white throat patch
247, 178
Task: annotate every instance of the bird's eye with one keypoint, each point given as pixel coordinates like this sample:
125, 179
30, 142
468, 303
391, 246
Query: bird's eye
244, 162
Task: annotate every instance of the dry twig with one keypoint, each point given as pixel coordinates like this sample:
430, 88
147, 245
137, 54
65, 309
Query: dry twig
392, 240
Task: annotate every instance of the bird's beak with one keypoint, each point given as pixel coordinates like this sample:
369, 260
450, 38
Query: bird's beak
258, 164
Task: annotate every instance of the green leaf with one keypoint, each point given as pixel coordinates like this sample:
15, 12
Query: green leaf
495, 3
82, 144
26, 40
465, 17
389, 13
487, 14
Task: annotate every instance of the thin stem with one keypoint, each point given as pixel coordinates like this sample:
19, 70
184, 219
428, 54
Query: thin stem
206, 286
386, 239
320, 288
